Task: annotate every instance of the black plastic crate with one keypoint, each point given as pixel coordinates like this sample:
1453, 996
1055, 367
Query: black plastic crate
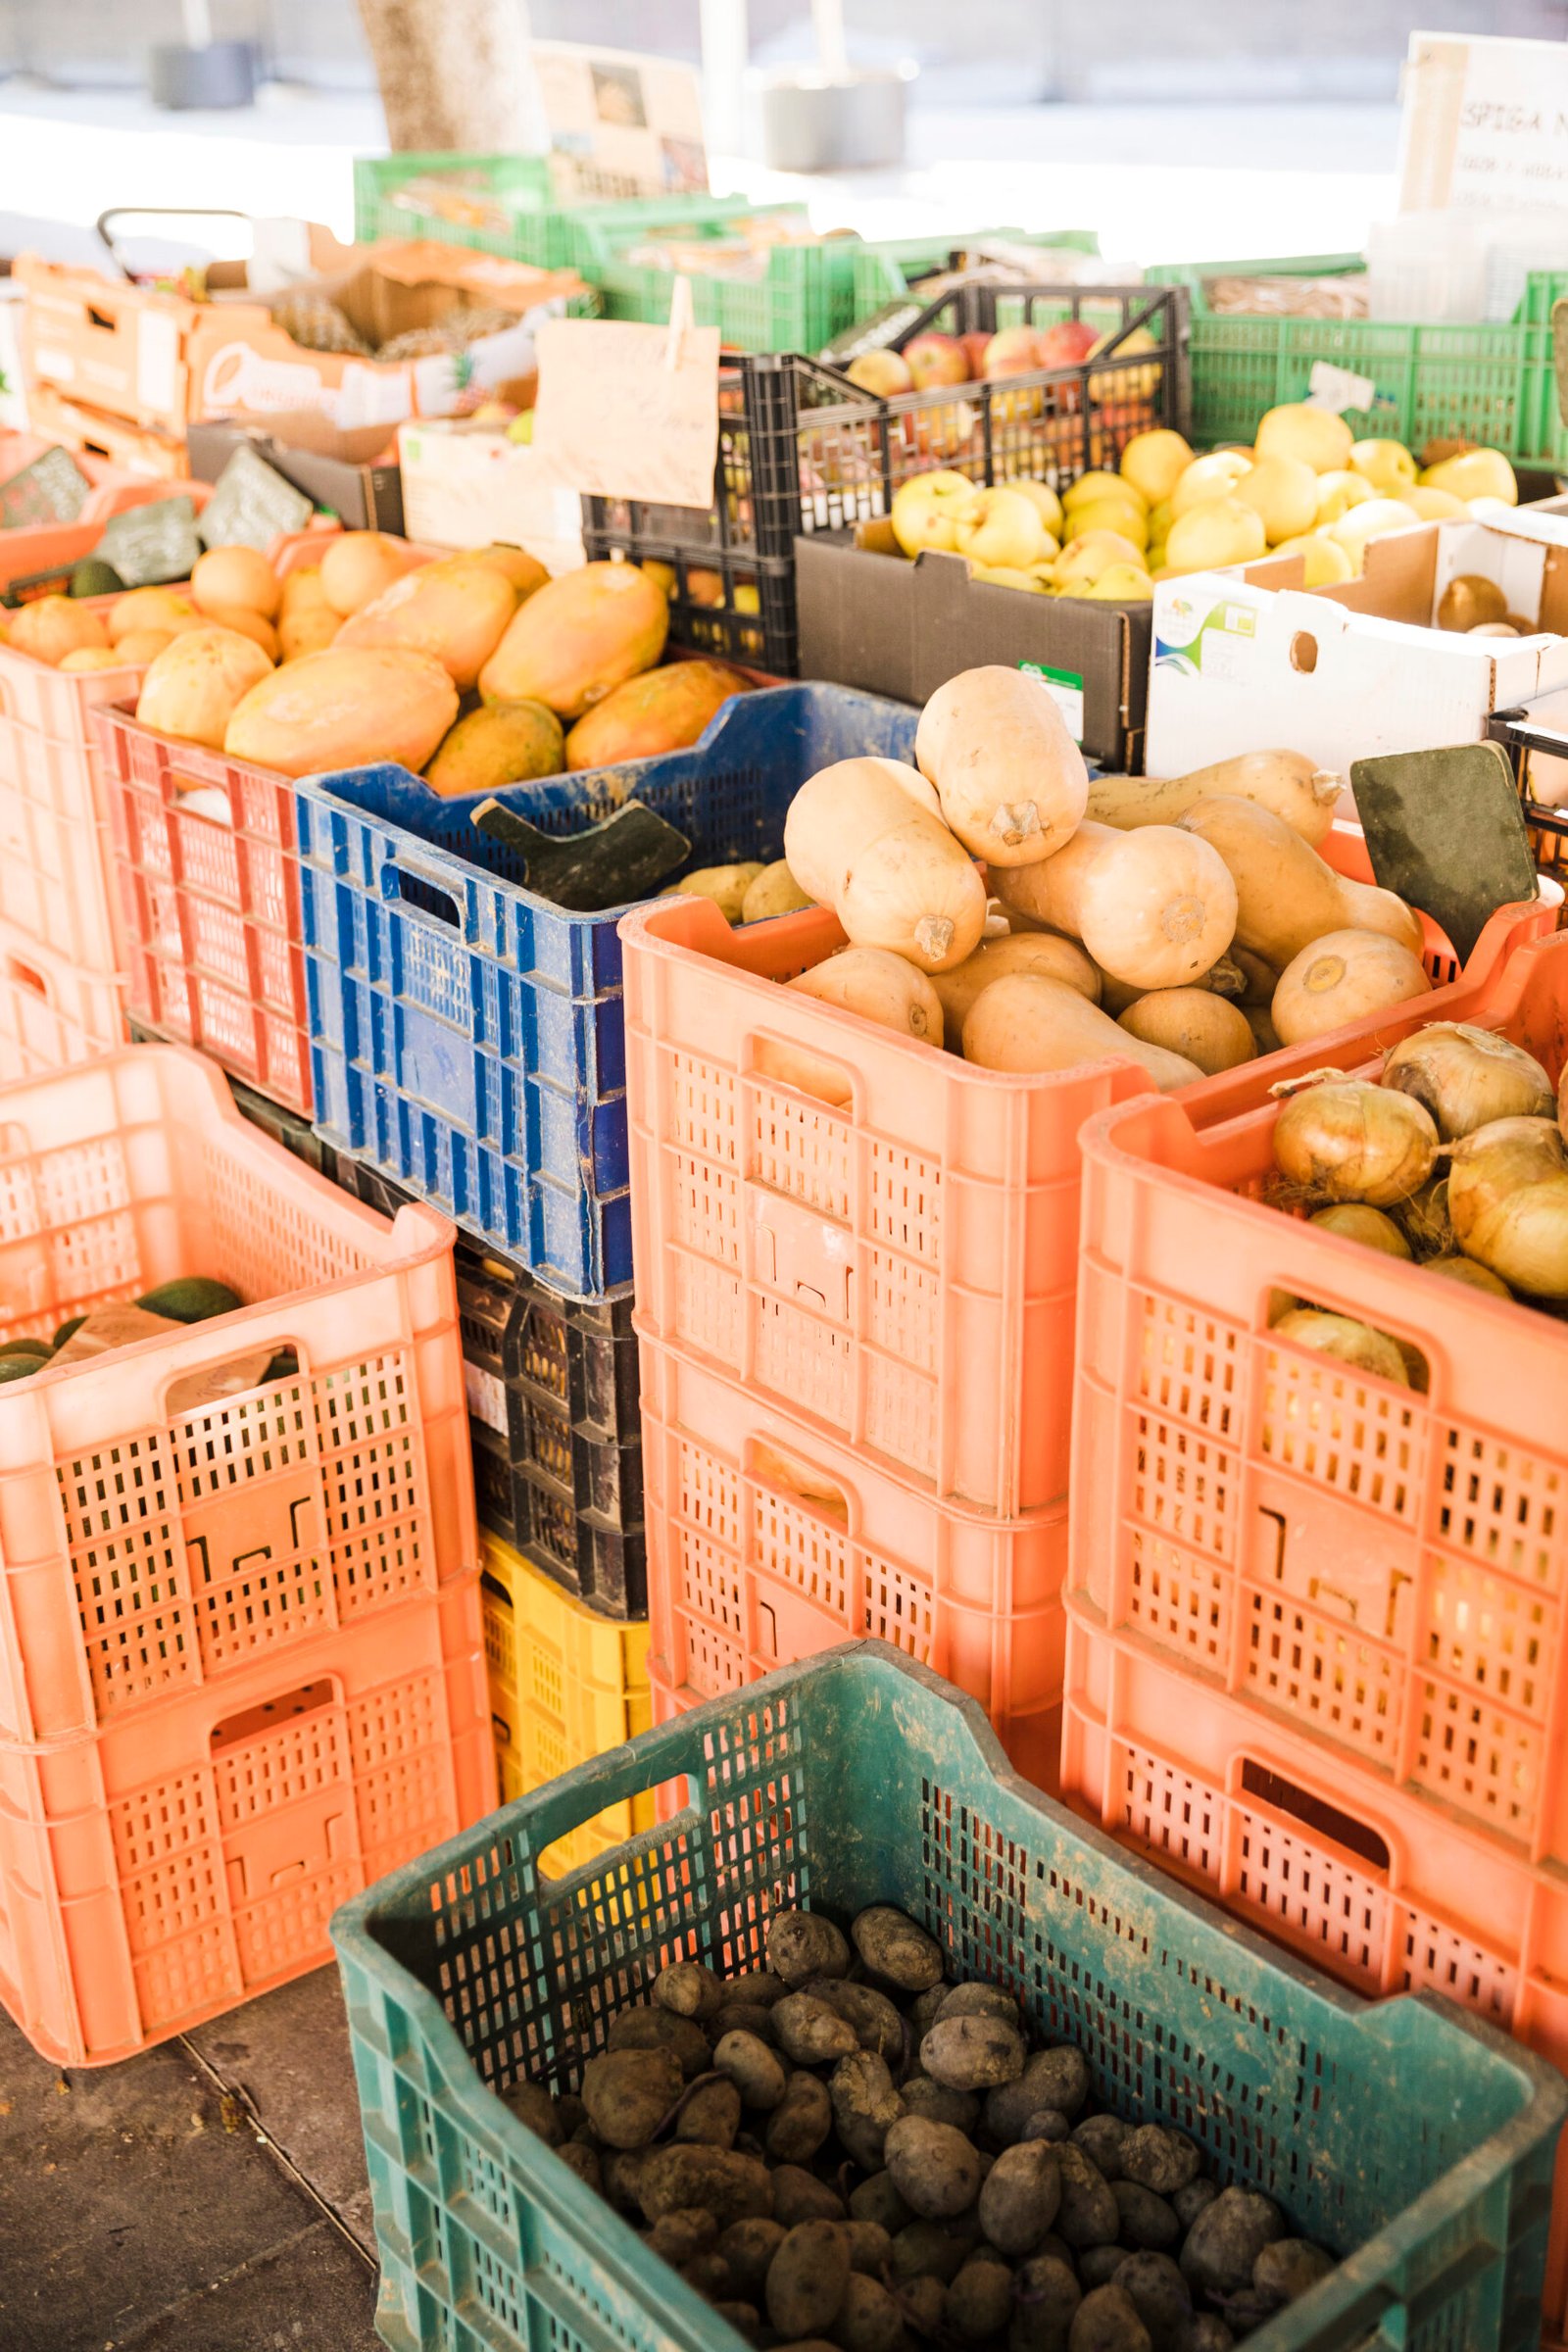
1524, 736
555, 1414
802, 448
733, 607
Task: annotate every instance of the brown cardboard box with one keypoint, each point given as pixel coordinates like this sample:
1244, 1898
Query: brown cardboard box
870, 618
1403, 575
163, 360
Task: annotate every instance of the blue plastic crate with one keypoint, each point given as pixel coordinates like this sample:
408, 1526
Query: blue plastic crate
465, 1033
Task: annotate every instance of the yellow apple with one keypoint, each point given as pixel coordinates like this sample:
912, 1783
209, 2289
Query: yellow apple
881, 373
1338, 493
1386, 465
1213, 476
1284, 493
1474, 473
1121, 584
927, 510
1041, 495
1431, 506
1218, 533
1155, 463
1373, 519
1160, 518
1326, 561
1111, 514
1091, 487
1316, 436
521, 427
1084, 560
999, 527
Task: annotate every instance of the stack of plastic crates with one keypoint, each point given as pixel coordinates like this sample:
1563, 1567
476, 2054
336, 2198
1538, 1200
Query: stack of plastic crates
1315, 1651
1408, 2136
241, 1672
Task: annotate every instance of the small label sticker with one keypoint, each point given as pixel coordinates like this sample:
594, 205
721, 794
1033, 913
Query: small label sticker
1339, 388
1237, 621
487, 1397
1065, 689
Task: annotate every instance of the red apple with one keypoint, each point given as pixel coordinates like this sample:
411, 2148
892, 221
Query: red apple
934, 360
1067, 343
882, 372
1015, 351
975, 348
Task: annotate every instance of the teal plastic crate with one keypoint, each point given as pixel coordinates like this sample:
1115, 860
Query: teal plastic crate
1491, 384
1405, 2130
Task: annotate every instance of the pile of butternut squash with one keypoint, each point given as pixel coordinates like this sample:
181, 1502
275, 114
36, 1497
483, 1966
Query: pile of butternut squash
1187, 923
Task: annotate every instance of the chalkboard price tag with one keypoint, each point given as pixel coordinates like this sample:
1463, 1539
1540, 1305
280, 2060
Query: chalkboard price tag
52, 489
252, 505
149, 545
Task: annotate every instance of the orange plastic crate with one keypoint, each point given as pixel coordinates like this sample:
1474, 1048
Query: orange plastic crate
52, 1014
45, 547
902, 1272
768, 1542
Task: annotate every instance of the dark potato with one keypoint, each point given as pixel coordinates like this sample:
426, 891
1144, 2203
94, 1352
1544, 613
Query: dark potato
934, 2167
630, 2092
806, 2278
804, 1943
893, 1947
1108, 2320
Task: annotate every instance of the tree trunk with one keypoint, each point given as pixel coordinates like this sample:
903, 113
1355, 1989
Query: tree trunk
454, 73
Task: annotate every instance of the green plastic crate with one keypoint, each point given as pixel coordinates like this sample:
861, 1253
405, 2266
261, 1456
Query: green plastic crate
501, 203
1406, 2130
1491, 384
886, 270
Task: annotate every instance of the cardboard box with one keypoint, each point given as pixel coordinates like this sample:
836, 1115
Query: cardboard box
463, 486
1349, 672
162, 360
365, 492
92, 433
870, 618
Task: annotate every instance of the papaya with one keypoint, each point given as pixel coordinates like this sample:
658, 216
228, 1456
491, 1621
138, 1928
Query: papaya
663, 710
229, 576
501, 743
142, 608
191, 1298
345, 708
55, 626
455, 611
357, 566
302, 592
194, 686
578, 638
525, 572
309, 630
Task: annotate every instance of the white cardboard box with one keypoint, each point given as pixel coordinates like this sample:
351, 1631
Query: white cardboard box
1237, 665
464, 488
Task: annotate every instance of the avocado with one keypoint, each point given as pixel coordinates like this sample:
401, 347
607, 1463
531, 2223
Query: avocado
17, 1367
93, 577
40, 1351
192, 1298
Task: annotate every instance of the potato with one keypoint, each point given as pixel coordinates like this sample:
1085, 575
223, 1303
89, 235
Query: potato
1225, 2241
878, 2200
1147, 2220
711, 2114
803, 1944
755, 1987
1189, 2202
1049, 2124
731, 2186
973, 2053
725, 884
864, 2106
630, 2092
1088, 2214
1205, 2332
925, 2009
934, 2167
923, 2301
868, 2246
679, 2237
803, 2119
1044, 2297
747, 2247
869, 2319
753, 2067
1055, 2078
1102, 2138
1097, 2265
876, 2023
927, 2250
923, 2095
979, 2001
1290, 2267
584, 2161
744, 2318
1108, 2320
1159, 2293
709, 2275
689, 1989
621, 2170
980, 2300
1020, 2196
535, 2110
799, 2196
808, 2032
773, 891
641, 2029
806, 2278
894, 1949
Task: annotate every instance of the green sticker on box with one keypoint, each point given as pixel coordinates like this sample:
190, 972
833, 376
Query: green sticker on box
1065, 689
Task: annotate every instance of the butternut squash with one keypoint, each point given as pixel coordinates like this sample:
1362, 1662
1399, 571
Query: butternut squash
870, 981
1011, 779
1194, 1023
1286, 895
1150, 912
860, 838
1342, 977
1286, 782
1024, 1023
1041, 951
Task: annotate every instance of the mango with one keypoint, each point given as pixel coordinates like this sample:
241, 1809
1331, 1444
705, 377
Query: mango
55, 626
142, 608
663, 710
194, 686
344, 708
525, 572
503, 743
456, 611
309, 630
579, 638
358, 565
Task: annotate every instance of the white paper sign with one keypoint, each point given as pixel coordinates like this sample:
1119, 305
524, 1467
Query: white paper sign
1484, 125
627, 410
1339, 389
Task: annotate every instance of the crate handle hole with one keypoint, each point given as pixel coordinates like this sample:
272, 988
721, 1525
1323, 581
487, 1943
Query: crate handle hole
96, 318
1356, 1837
200, 796
270, 1714
426, 898
23, 975
792, 1475
1304, 652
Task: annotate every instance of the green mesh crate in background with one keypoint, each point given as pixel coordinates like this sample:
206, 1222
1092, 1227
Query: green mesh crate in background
789, 305
887, 271
1490, 384
1405, 2130
501, 203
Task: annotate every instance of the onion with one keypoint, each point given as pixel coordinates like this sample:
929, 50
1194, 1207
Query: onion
1355, 1222
1424, 1219
1343, 977
1346, 1140
1342, 1337
1468, 1077
1465, 1269
1508, 1199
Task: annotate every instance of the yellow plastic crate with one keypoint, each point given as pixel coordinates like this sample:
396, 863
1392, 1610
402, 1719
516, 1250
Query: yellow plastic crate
565, 1684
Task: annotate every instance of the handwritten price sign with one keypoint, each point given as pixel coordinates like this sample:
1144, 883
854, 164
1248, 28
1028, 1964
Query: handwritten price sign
626, 410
